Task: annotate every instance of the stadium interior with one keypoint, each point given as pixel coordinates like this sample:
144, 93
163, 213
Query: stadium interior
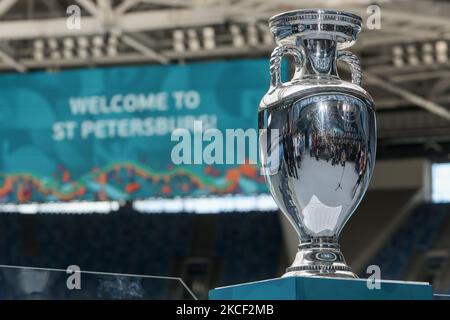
402, 224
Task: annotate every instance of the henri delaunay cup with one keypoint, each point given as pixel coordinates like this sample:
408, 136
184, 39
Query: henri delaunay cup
322, 160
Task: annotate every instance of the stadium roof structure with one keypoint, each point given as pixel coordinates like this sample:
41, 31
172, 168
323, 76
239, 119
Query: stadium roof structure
405, 60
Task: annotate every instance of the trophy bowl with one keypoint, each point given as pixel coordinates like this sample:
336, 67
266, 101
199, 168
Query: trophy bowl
318, 135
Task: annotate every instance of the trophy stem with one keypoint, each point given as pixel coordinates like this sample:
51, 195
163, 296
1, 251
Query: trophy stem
320, 256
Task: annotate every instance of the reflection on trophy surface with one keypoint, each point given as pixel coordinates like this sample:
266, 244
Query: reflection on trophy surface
319, 166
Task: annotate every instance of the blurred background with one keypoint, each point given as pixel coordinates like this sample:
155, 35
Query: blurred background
82, 183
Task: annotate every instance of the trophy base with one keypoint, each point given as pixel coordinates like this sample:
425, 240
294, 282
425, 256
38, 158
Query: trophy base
320, 258
320, 288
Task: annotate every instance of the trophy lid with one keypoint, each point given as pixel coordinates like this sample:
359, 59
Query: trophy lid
338, 25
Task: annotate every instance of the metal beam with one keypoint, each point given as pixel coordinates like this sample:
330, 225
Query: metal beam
155, 20
419, 76
129, 4
105, 6
399, 103
125, 58
419, 19
89, 6
390, 70
171, 3
5, 5
130, 22
30, 29
145, 39
106, 14
126, 5
409, 96
54, 7
147, 51
169, 19
10, 61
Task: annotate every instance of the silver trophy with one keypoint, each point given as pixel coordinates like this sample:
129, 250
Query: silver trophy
321, 132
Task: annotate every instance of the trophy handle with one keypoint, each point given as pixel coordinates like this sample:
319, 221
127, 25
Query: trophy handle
275, 63
355, 65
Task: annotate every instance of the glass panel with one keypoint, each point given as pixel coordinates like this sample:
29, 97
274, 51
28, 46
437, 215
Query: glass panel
36, 283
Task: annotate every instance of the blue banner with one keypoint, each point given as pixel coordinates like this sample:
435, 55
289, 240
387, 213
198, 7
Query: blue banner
106, 133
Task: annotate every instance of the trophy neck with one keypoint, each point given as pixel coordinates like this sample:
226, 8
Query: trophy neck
320, 58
